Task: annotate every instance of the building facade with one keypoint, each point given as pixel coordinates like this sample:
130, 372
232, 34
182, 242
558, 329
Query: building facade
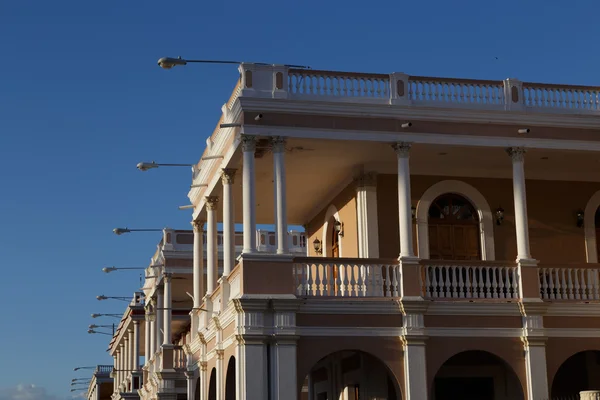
451, 236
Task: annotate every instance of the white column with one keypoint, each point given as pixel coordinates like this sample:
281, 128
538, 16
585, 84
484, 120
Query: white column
249, 194
152, 330
220, 375
160, 307
211, 243
281, 234
521, 225
120, 355
198, 263
147, 338
404, 200
535, 369
115, 369
126, 356
366, 215
167, 310
136, 346
415, 369
228, 221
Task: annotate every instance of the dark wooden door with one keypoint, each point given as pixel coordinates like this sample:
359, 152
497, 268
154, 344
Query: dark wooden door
453, 229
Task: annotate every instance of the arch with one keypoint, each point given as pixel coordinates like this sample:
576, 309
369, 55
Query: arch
589, 227
230, 378
486, 220
331, 214
481, 374
579, 372
359, 374
197, 389
212, 385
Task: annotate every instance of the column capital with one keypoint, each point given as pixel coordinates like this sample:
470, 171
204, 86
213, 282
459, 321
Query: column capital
366, 179
248, 143
278, 143
228, 176
198, 225
167, 276
136, 322
516, 153
402, 149
211, 202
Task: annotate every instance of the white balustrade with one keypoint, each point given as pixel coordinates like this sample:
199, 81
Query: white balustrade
339, 278
338, 84
589, 395
455, 280
179, 358
561, 97
570, 283
456, 92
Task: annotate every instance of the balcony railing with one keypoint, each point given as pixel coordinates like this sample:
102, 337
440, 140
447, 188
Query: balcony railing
339, 277
403, 89
104, 369
470, 280
179, 358
580, 282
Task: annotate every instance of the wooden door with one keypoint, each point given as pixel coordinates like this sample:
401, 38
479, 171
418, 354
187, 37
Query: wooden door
335, 253
453, 229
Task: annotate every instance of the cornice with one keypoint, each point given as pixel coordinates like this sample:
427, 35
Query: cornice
441, 114
573, 309
359, 306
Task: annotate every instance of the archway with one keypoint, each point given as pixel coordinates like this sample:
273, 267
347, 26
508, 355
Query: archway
474, 197
476, 375
212, 385
453, 229
350, 375
579, 372
197, 390
230, 380
590, 226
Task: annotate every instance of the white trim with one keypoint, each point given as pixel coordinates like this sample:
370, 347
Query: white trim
589, 226
332, 211
424, 138
486, 221
416, 112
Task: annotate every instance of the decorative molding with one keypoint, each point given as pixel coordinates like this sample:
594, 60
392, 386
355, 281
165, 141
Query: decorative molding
366, 180
228, 176
278, 144
248, 143
211, 202
516, 153
402, 149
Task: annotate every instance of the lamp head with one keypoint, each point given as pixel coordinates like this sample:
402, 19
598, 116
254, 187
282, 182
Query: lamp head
94, 316
120, 231
145, 166
168, 62
101, 297
107, 270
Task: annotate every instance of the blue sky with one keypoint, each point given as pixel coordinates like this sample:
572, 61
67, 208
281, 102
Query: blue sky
82, 101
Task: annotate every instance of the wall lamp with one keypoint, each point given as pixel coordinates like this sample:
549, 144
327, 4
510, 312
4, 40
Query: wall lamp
580, 214
523, 131
499, 215
339, 227
406, 125
317, 245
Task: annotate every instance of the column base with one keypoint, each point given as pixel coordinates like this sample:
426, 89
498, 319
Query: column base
527, 262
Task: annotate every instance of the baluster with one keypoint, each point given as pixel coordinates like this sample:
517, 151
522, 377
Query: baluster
363, 282
387, 280
476, 279
562, 286
500, 290
318, 85
318, 281
461, 283
544, 285
434, 286
596, 282
354, 280
395, 271
507, 290
570, 285
428, 291
576, 286
468, 286
494, 284
488, 283
515, 282
454, 285
445, 278
584, 285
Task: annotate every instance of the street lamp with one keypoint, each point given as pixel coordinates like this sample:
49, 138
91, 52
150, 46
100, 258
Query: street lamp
103, 297
91, 331
106, 315
79, 379
78, 368
76, 389
145, 166
81, 383
94, 326
108, 270
120, 231
169, 62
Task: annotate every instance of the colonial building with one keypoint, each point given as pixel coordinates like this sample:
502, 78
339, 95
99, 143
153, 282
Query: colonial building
101, 384
450, 226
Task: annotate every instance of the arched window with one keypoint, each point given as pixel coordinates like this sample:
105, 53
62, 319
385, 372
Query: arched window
453, 229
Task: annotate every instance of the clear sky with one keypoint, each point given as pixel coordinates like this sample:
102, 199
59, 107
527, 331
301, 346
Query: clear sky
82, 101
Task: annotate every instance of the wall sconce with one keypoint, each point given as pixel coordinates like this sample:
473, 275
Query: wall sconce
580, 216
413, 211
339, 227
499, 215
318, 247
